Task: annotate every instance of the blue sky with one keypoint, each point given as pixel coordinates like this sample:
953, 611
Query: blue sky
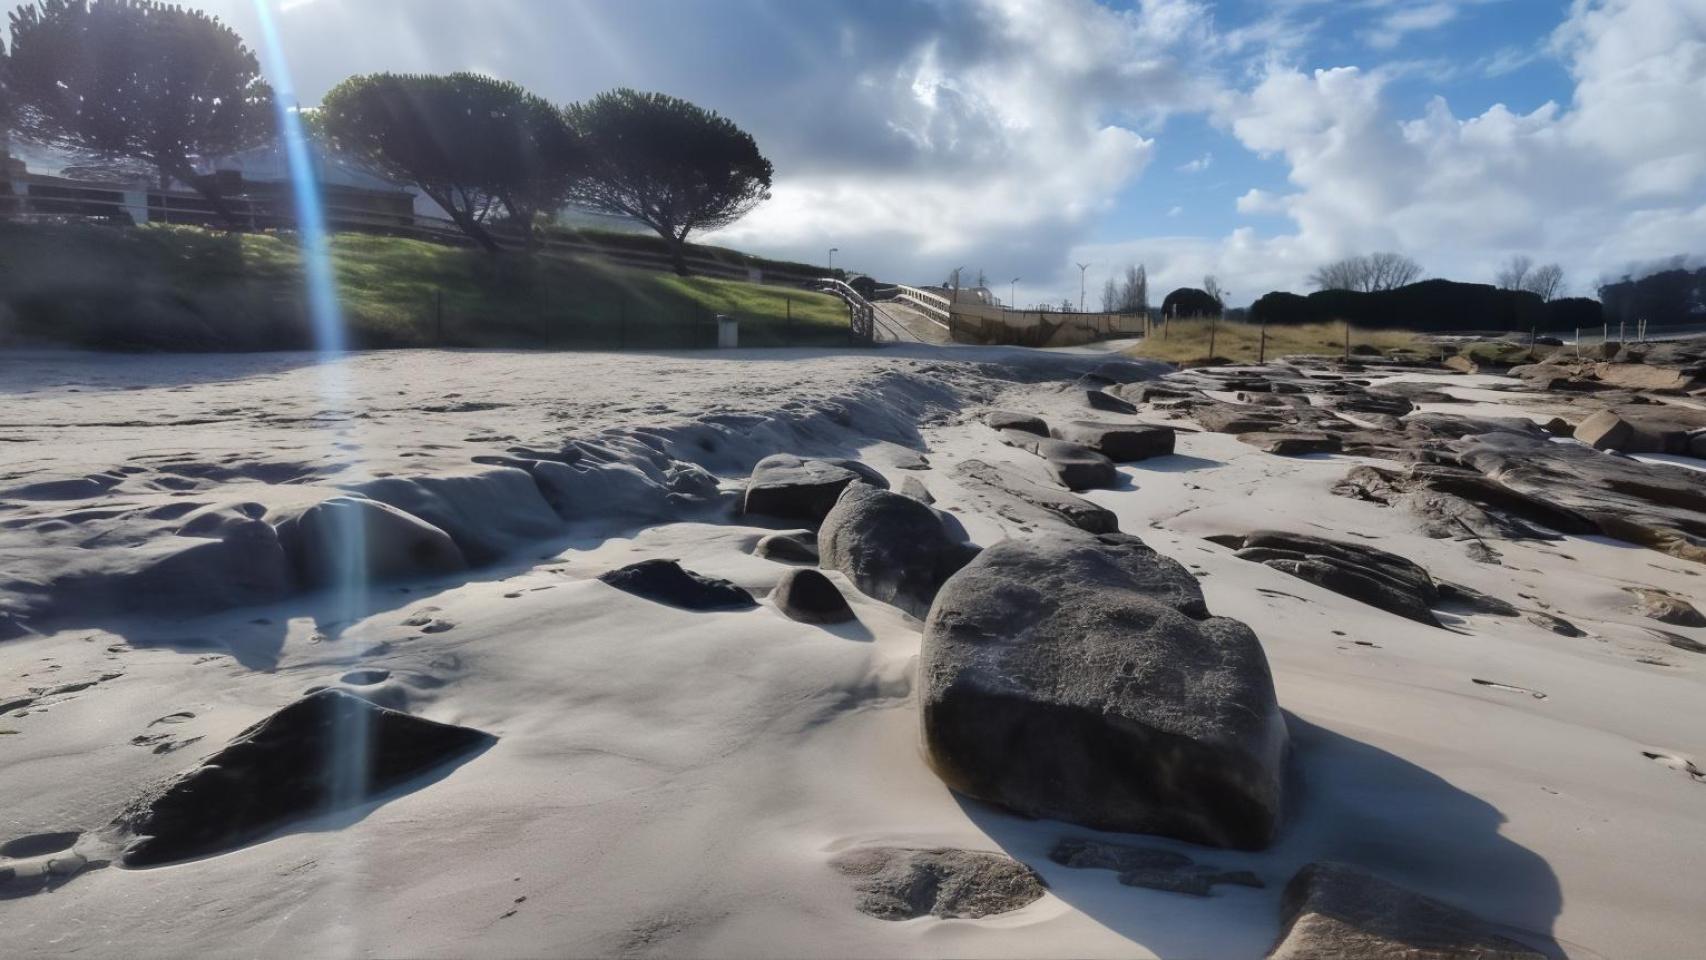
1252, 140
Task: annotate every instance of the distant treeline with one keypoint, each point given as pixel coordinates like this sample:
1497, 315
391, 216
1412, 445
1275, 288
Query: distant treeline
1432, 305
1670, 296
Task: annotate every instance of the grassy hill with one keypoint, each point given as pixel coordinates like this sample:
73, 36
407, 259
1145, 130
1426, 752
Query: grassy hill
1187, 342
185, 288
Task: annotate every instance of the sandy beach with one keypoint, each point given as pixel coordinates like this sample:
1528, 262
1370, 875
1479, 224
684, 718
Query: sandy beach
668, 782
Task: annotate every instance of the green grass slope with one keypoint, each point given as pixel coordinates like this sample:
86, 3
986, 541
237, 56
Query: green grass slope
184, 288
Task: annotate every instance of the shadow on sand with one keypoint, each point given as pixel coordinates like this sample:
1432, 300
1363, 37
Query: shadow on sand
1347, 801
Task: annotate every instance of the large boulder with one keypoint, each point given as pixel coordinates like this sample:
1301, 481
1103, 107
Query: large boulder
1657, 505
788, 546
1102, 400
1119, 442
1073, 465
808, 596
901, 883
1337, 911
1008, 420
1025, 501
891, 546
347, 540
666, 581
1374, 577
328, 751
1082, 678
794, 488
1641, 430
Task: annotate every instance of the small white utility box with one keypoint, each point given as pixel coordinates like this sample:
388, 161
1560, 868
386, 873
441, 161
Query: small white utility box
728, 332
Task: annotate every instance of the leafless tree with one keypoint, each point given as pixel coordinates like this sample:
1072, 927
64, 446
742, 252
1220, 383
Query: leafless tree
1127, 294
1367, 274
1211, 286
1546, 281
1514, 274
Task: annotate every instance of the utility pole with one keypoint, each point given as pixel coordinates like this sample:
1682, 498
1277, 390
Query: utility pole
1081, 268
832, 252
1013, 293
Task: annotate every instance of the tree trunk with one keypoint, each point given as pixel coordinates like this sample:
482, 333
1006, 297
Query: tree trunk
475, 230
204, 184
678, 255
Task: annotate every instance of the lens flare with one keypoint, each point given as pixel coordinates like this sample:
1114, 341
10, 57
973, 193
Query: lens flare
347, 769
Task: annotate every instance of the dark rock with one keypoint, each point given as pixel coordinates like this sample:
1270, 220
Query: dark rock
788, 546
1293, 444
901, 883
1656, 505
892, 547
1655, 429
810, 597
666, 581
1076, 467
1474, 600
1101, 400
1389, 404
1666, 608
1332, 910
1556, 624
915, 488
1008, 420
1024, 500
1371, 576
794, 488
1243, 418
1151, 392
1117, 442
289, 766
1081, 678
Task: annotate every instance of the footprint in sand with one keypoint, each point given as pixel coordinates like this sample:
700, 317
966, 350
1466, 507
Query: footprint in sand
1508, 688
365, 678
178, 717
425, 622
1679, 764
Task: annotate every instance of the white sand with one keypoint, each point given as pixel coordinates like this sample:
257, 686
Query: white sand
673, 783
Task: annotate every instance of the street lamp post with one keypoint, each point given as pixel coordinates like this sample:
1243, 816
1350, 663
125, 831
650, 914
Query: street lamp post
832, 252
1081, 268
1012, 292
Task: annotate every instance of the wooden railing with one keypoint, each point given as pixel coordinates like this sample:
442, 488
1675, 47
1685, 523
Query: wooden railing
861, 316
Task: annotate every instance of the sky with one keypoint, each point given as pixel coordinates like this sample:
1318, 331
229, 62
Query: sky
1248, 139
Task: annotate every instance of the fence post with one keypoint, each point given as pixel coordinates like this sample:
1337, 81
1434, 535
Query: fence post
1622, 332
1347, 341
1212, 325
1578, 343
1531, 338
1262, 348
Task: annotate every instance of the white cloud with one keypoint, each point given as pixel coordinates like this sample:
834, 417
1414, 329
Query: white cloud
1015, 144
1618, 175
1394, 26
1198, 165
